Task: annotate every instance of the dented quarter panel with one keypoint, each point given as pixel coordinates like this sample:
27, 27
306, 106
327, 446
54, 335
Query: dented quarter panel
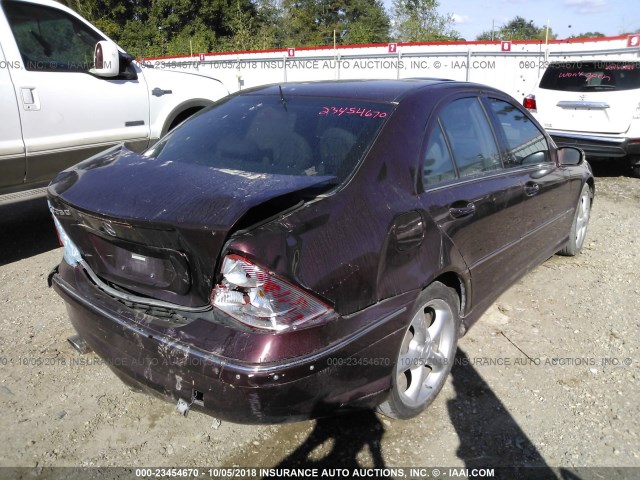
366, 265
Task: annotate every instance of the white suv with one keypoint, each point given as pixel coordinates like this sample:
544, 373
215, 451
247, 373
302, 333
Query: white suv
593, 105
60, 105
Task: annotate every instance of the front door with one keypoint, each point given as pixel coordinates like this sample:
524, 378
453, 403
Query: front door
67, 114
12, 160
547, 213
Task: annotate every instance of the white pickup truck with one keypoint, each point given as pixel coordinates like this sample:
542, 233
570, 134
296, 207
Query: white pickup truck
68, 92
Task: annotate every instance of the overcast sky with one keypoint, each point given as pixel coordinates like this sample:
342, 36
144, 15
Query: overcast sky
567, 17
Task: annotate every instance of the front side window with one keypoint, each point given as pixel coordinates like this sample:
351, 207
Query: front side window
470, 136
274, 134
526, 144
49, 39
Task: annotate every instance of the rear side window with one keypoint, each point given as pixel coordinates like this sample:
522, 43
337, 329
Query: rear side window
438, 164
526, 144
285, 135
591, 76
470, 137
49, 39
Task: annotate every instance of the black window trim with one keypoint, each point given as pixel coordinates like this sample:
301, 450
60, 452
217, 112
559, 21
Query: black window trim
504, 144
434, 119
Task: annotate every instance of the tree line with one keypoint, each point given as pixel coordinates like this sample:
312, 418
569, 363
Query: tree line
171, 27
149, 28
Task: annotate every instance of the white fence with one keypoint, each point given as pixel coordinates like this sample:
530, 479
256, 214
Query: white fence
513, 67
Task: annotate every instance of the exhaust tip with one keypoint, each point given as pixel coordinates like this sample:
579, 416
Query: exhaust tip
79, 344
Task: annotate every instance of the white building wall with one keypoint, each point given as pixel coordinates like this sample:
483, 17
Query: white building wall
516, 71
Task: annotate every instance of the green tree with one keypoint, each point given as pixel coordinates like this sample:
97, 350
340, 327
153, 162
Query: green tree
419, 21
366, 21
170, 27
588, 35
302, 25
313, 22
269, 18
148, 28
518, 29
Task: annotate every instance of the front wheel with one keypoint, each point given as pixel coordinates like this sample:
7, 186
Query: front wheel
426, 354
580, 223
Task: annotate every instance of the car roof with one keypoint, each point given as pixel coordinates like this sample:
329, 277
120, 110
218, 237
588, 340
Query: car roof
377, 90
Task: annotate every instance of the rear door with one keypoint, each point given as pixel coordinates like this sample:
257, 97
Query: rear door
475, 201
594, 97
547, 206
66, 113
12, 159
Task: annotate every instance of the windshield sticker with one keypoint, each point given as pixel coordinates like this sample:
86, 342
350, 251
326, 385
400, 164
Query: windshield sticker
363, 112
619, 67
589, 75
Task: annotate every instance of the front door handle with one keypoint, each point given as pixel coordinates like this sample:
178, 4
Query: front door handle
30, 100
462, 211
531, 188
158, 92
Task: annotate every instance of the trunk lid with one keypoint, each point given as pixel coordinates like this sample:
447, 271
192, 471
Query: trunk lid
157, 228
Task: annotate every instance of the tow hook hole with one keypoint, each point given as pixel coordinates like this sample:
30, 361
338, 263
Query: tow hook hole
198, 398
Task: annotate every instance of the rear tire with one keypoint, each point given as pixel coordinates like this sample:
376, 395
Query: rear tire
426, 354
580, 223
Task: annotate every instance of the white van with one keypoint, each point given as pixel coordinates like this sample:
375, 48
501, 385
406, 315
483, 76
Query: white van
593, 105
58, 107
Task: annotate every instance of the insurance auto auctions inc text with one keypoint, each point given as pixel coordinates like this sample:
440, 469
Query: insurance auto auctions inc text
414, 472
315, 64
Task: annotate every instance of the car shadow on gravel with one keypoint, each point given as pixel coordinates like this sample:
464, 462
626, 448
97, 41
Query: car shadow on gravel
26, 229
345, 436
610, 168
489, 436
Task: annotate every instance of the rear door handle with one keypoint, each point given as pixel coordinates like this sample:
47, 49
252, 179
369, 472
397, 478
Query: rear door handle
531, 188
463, 211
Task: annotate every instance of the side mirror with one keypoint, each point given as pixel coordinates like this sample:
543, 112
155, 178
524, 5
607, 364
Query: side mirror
570, 156
106, 59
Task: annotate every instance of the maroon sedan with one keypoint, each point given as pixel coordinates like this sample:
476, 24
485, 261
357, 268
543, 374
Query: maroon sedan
304, 248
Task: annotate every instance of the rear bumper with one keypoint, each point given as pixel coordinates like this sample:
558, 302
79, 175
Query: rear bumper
352, 372
597, 146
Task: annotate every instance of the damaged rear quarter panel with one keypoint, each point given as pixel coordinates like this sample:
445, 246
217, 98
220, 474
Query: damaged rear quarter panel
338, 245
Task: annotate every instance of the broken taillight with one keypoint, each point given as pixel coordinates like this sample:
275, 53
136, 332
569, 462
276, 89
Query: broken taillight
529, 102
70, 252
257, 297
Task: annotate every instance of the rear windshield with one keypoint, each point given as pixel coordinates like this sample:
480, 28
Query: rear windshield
591, 76
278, 135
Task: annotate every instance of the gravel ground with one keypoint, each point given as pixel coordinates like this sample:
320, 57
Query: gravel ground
548, 377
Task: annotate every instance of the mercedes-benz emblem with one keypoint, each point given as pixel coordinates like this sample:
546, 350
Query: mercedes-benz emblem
107, 227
